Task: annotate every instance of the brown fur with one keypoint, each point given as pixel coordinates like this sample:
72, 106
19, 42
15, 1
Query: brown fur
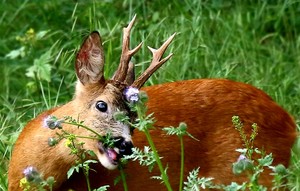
206, 106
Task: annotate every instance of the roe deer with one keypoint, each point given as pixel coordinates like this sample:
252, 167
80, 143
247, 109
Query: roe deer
205, 105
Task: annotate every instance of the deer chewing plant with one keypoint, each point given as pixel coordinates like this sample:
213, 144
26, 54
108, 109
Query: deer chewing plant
143, 122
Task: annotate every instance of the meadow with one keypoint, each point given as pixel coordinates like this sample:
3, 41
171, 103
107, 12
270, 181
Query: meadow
255, 42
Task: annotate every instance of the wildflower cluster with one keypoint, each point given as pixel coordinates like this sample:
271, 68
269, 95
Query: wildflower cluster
34, 180
248, 141
29, 36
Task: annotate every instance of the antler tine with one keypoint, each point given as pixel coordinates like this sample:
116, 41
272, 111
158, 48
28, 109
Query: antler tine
156, 62
126, 55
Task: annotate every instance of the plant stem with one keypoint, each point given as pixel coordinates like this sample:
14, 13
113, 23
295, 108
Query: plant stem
87, 180
142, 115
85, 127
51, 187
85, 172
158, 161
79, 136
81, 159
181, 163
123, 177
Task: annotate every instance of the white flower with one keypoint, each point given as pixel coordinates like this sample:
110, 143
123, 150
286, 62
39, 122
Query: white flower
131, 94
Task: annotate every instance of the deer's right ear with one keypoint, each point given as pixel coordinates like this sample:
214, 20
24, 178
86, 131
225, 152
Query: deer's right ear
90, 60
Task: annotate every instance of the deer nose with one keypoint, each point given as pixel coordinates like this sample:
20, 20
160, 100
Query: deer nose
125, 147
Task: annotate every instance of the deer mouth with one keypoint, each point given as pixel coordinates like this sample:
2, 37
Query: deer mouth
110, 156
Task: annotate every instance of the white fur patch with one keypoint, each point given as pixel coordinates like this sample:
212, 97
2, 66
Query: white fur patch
104, 160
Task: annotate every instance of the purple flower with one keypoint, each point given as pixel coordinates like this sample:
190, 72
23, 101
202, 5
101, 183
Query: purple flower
32, 175
242, 157
131, 94
52, 122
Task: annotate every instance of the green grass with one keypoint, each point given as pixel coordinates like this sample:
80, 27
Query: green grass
256, 42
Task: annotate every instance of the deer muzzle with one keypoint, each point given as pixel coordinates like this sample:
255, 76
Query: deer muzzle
110, 155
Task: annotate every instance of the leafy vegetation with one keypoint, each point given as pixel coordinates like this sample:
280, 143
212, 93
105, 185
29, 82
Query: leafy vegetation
255, 42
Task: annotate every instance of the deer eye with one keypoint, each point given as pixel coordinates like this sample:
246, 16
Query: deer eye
101, 106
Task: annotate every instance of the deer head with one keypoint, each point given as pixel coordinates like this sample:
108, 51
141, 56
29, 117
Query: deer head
102, 97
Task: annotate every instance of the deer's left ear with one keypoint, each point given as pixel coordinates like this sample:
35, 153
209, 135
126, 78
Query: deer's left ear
90, 60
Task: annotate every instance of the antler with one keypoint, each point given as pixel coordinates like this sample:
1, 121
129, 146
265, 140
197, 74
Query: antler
126, 55
155, 63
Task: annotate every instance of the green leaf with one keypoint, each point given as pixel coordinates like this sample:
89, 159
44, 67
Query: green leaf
281, 170
117, 180
121, 116
16, 53
266, 161
234, 187
72, 169
91, 153
102, 188
41, 68
179, 131
41, 34
194, 182
70, 172
90, 161
50, 180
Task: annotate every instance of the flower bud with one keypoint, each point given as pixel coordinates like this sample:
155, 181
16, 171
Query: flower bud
52, 122
280, 169
52, 141
143, 96
242, 164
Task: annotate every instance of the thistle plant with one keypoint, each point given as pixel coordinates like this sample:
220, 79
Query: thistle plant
180, 131
150, 156
144, 123
254, 168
